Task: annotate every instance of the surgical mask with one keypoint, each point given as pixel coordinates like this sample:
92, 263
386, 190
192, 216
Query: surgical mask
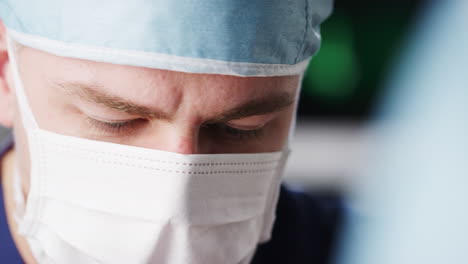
99, 202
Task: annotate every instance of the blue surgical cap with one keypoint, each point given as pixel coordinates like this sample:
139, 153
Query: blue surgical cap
232, 37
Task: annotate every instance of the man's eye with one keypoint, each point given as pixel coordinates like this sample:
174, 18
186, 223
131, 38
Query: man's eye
120, 127
240, 133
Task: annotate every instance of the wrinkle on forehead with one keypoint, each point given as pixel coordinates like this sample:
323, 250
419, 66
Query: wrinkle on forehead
188, 93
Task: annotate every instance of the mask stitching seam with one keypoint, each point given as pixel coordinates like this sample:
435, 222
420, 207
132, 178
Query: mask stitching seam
168, 162
15, 15
149, 56
182, 171
306, 28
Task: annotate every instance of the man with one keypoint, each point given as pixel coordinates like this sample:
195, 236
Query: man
156, 132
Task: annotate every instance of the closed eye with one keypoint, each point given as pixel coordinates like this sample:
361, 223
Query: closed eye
117, 127
236, 134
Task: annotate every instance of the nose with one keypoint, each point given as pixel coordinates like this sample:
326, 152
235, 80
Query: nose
178, 139
182, 144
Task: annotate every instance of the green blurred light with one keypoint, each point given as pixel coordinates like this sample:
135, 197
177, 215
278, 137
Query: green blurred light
333, 73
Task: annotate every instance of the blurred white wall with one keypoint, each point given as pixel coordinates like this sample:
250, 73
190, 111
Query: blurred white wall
327, 154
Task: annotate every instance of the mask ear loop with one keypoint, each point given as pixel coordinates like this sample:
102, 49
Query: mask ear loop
29, 122
18, 196
30, 126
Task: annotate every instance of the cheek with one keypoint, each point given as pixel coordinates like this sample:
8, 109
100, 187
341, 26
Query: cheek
50, 108
44, 100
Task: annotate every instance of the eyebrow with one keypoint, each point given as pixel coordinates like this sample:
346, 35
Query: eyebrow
270, 104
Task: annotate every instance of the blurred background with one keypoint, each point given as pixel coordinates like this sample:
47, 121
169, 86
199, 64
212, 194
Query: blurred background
342, 87
415, 191
410, 185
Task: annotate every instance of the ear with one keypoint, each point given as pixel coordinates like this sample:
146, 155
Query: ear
6, 95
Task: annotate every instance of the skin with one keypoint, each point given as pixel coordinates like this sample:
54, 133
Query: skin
149, 108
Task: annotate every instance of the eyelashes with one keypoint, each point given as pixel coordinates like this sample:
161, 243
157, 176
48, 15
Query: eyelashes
117, 128
240, 133
129, 127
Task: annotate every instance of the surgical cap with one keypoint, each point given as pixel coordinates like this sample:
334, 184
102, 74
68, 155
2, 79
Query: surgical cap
232, 37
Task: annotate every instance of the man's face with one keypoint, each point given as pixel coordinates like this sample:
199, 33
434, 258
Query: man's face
165, 110
150, 108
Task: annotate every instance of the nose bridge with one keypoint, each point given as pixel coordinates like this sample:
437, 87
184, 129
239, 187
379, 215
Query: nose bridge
184, 144
181, 139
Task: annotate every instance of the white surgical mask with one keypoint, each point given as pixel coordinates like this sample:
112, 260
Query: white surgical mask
99, 202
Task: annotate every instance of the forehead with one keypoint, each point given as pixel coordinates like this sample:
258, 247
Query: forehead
145, 84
